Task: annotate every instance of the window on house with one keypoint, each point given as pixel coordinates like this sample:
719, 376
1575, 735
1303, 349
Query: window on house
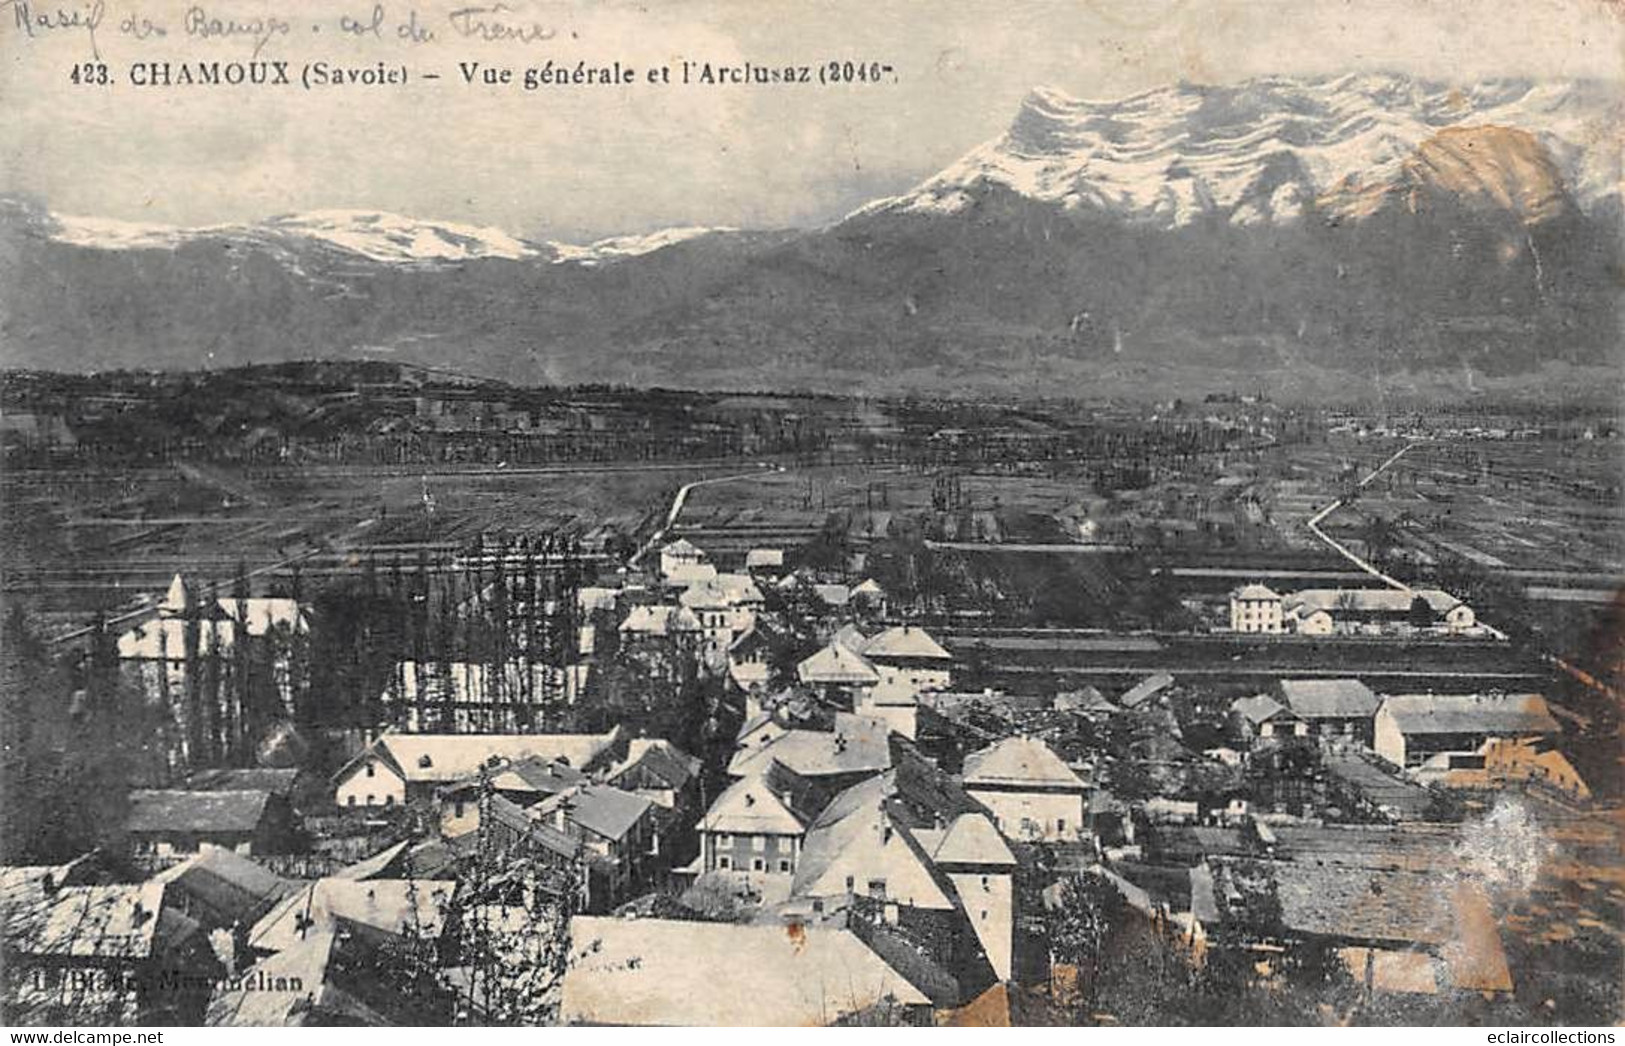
1060, 824
457, 810
389, 800
349, 800
371, 770
372, 800
758, 842
724, 839
757, 864
784, 864
724, 862
877, 888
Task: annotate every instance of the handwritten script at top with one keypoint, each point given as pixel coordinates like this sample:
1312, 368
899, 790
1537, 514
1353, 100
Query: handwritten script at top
92, 20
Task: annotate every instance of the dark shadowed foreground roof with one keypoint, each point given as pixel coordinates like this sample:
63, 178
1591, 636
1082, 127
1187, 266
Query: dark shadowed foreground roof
660, 972
396, 906
603, 809
230, 885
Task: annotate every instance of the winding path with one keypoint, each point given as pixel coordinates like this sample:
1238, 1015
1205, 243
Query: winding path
682, 496
1339, 547
1574, 672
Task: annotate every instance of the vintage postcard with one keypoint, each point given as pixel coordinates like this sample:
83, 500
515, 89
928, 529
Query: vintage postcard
837, 512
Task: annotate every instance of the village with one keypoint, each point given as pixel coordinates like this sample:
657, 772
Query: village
894, 735
948, 855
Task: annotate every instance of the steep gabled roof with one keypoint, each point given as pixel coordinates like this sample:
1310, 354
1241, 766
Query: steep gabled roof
886, 827
755, 805
856, 838
972, 840
1259, 708
837, 664
1508, 715
857, 744
661, 758
535, 774
601, 809
905, 642
1254, 592
178, 598
521, 822
1328, 698
1146, 689
1017, 761
233, 886
173, 811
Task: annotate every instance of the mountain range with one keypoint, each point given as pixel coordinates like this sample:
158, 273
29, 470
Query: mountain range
1326, 237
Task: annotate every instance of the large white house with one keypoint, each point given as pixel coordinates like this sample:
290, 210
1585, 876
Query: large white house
683, 563
725, 605
908, 653
188, 628
1256, 608
1032, 793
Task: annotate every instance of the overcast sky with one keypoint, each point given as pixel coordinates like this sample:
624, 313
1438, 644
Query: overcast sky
585, 162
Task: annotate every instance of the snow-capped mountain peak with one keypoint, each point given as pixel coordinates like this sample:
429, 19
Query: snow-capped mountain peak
617, 248
388, 237
375, 235
378, 236
1262, 150
113, 234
